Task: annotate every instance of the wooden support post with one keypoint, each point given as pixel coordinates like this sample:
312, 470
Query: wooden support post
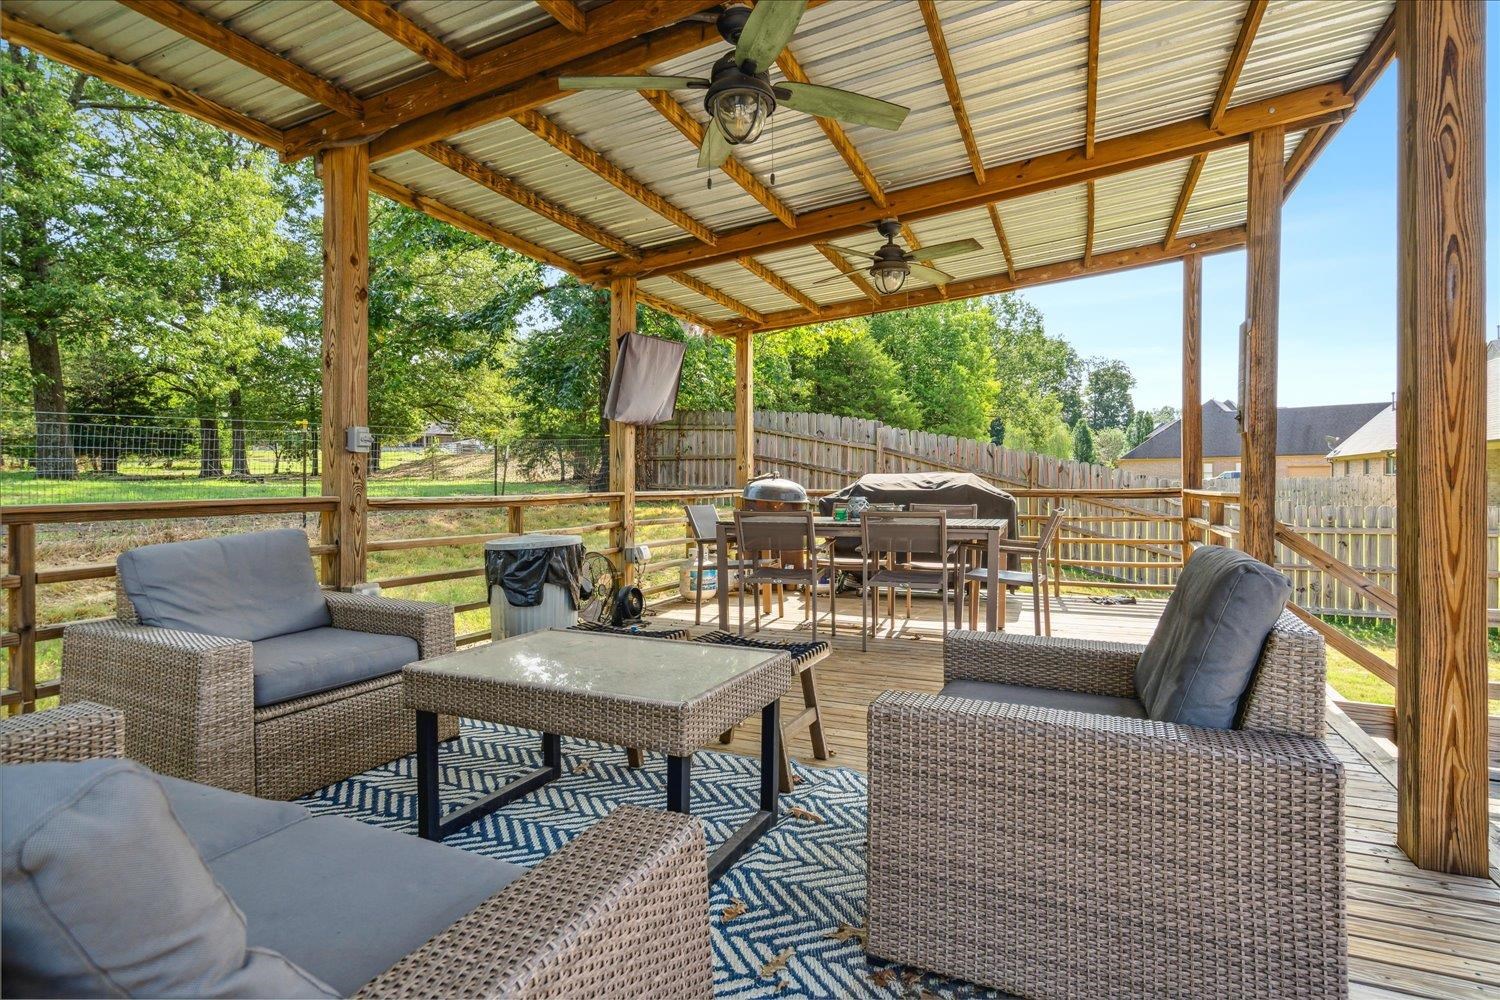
1258, 346
1440, 419
346, 352
744, 407
20, 543
622, 436
1192, 389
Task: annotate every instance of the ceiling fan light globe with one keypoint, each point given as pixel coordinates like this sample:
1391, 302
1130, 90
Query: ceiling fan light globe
742, 114
888, 280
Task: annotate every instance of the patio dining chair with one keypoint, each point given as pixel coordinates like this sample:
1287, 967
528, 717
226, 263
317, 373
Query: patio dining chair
703, 518
894, 545
1036, 579
795, 557
966, 552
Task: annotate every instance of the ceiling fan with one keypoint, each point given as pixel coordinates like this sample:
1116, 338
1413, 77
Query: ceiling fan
740, 96
890, 265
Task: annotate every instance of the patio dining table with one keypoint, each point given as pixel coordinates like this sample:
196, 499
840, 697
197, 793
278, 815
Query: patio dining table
986, 530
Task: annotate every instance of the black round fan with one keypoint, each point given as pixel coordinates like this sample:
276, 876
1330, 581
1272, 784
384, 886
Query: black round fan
602, 587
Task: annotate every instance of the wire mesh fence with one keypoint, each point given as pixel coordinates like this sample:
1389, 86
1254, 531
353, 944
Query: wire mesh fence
80, 458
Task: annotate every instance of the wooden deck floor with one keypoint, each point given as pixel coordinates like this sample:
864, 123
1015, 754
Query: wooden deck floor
1411, 933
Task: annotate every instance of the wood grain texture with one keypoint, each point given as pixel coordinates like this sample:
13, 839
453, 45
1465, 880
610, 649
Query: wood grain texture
1441, 623
779, 283
1088, 225
713, 294
403, 30
346, 350
54, 46
607, 170
672, 309
1185, 197
839, 139
944, 58
744, 407
1049, 171
622, 302
736, 171
1192, 375
1258, 346
565, 13
1010, 261
1237, 58
1091, 78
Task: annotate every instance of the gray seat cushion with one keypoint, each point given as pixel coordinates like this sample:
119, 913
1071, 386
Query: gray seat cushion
218, 821
321, 659
105, 895
249, 586
1065, 701
346, 901
1201, 659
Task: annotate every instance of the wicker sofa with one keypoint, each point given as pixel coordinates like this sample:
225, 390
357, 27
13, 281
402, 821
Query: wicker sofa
622, 910
265, 684
1058, 853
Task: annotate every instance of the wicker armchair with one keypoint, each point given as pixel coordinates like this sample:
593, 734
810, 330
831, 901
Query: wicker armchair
190, 699
1063, 854
621, 910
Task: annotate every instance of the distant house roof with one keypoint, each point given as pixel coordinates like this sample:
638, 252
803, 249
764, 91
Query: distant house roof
1300, 430
1378, 436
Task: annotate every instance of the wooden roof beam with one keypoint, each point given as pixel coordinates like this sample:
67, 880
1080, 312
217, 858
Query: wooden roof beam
403, 30
1088, 227
479, 173
692, 130
713, 294
1115, 260
1091, 86
404, 195
565, 13
536, 59
1189, 183
84, 59
840, 140
213, 35
844, 267
950, 83
1010, 261
1298, 109
673, 309
606, 169
779, 283
1237, 57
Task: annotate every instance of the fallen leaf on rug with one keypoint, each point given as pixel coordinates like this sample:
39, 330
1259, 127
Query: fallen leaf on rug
736, 908
797, 812
883, 977
845, 932
776, 964
582, 767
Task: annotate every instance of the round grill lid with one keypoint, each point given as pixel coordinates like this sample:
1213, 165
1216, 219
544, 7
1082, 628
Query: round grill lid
771, 486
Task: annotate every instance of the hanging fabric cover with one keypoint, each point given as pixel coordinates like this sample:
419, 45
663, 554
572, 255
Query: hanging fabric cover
643, 386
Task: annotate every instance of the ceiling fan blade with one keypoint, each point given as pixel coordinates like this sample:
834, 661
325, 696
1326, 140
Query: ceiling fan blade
851, 252
845, 105
767, 30
715, 148
851, 274
931, 274
629, 82
940, 250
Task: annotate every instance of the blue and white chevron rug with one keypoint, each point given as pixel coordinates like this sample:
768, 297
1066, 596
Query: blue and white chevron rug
801, 888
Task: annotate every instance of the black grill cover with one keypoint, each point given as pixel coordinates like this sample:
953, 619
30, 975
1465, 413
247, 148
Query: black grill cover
521, 573
926, 487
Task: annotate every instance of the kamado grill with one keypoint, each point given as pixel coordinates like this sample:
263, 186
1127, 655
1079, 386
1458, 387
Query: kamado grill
770, 491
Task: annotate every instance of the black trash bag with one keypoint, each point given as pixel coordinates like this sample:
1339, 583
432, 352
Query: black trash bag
522, 573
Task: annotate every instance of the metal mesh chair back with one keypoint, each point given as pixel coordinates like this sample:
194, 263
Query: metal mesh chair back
775, 531
907, 533
704, 517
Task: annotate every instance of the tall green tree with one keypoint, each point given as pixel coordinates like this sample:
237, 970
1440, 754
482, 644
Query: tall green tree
1109, 445
1107, 397
946, 361
1083, 443
837, 368
1141, 426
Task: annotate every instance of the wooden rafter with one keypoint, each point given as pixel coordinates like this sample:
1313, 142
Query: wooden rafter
1303, 108
1366, 70
713, 294
840, 140
1091, 86
565, 13
673, 309
779, 283
1088, 228
404, 195
1237, 57
128, 78
211, 34
1010, 261
1189, 183
736, 171
1115, 260
396, 26
606, 169
844, 267
950, 82
479, 173
534, 58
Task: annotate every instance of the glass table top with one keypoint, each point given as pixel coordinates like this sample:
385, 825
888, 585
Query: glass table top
621, 666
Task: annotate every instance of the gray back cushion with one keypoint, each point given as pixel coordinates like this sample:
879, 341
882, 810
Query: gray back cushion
105, 895
1199, 663
250, 586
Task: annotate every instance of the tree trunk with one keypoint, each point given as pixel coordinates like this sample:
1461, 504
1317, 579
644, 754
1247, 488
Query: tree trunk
239, 459
54, 442
210, 458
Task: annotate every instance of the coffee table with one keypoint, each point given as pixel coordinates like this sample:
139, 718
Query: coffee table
657, 694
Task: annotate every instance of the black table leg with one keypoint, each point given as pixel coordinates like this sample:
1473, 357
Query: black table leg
428, 807
742, 839
679, 784
431, 824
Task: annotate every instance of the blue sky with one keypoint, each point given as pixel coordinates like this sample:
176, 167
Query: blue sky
1338, 274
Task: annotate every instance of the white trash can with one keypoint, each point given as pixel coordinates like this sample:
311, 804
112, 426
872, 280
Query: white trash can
556, 608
